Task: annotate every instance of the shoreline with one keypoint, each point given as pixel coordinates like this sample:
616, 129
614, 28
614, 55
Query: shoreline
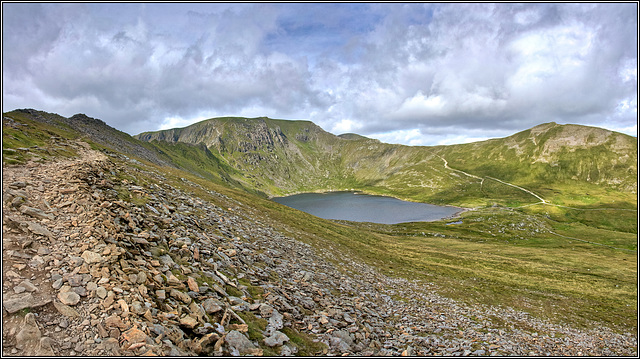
455, 215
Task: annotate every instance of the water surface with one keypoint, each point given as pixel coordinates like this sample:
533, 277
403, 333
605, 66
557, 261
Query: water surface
365, 208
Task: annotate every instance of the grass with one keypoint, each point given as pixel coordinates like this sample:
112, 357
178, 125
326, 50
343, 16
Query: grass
24, 139
304, 342
497, 256
502, 255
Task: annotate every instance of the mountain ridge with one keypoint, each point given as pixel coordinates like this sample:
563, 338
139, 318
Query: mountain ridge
326, 161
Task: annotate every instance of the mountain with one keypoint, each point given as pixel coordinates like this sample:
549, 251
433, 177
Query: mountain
273, 156
282, 157
551, 153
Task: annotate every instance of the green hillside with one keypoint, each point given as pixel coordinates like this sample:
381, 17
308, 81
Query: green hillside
571, 258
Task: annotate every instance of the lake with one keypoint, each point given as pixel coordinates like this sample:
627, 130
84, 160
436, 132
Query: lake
360, 207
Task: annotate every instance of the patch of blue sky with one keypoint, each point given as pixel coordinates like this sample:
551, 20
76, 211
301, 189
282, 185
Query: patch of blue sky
316, 30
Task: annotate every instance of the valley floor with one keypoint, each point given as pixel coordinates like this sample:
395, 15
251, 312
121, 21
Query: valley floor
105, 256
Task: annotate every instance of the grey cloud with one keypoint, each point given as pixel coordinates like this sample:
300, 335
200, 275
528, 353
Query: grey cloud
27, 29
377, 68
133, 69
464, 57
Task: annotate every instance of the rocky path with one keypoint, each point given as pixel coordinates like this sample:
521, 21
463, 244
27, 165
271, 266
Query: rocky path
102, 257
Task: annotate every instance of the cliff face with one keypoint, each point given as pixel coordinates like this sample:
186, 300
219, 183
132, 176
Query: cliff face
274, 156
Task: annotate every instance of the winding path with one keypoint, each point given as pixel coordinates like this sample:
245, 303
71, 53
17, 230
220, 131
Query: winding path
520, 188
446, 165
542, 200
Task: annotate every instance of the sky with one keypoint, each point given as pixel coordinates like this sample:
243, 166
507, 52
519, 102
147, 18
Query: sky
412, 73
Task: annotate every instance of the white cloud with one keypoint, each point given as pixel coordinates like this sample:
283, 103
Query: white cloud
176, 122
498, 68
344, 126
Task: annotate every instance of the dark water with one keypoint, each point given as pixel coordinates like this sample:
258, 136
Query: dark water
365, 208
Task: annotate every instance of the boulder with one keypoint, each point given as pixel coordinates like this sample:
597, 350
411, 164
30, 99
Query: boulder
276, 339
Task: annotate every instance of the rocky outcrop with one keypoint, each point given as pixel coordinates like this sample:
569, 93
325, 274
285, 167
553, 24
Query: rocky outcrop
99, 132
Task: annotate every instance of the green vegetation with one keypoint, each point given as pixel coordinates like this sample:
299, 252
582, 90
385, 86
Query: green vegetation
511, 250
572, 259
305, 343
496, 257
24, 139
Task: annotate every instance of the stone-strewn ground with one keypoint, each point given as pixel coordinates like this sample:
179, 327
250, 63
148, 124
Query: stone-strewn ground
88, 272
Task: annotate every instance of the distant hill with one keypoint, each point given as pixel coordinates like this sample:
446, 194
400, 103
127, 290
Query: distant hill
280, 157
353, 136
552, 153
568, 164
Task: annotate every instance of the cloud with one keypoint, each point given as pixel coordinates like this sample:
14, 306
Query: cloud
419, 73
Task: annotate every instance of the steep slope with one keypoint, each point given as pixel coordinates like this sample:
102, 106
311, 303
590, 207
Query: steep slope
96, 130
45, 129
274, 156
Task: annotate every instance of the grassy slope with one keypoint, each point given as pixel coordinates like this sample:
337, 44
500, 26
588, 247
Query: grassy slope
496, 256
26, 139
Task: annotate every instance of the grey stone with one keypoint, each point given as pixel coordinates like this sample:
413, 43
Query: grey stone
57, 284
91, 257
344, 336
142, 278
265, 310
189, 322
28, 286
101, 292
81, 291
275, 322
288, 350
24, 300
46, 347
276, 339
239, 342
29, 336
69, 298
212, 305
36, 213
39, 229
75, 280
36, 261
137, 308
166, 260
91, 286
180, 296
75, 261
66, 310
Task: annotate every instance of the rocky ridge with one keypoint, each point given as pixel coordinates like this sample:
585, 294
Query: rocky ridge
102, 256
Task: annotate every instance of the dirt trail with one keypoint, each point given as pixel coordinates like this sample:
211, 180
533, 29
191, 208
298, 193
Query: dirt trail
446, 165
